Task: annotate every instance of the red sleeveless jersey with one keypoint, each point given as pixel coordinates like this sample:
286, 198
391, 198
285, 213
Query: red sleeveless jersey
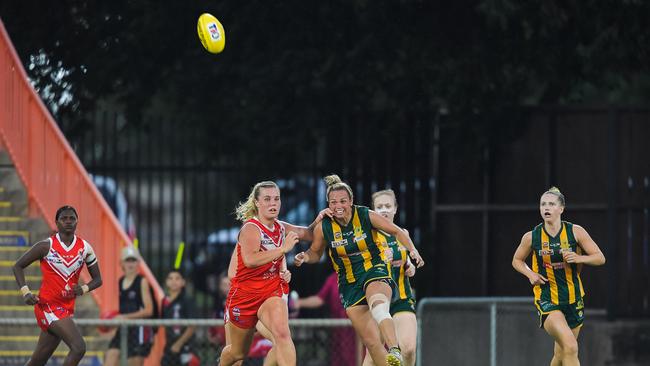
267, 275
61, 268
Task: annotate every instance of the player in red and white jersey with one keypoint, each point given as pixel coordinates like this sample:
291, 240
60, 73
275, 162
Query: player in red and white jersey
264, 336
62, 258
257, 288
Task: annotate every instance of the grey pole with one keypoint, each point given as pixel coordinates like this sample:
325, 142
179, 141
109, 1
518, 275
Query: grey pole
493, 334
123, 345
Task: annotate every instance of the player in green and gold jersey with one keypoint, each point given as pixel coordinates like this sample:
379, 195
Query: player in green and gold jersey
402, 307
364, 278
557, 248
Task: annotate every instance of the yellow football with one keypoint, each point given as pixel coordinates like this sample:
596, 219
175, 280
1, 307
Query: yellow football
211, 33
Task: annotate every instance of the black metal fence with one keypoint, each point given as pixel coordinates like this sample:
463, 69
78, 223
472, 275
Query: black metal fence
466, 194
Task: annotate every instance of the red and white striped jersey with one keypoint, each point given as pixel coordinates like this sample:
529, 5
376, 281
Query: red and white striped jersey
266, 275
61, 268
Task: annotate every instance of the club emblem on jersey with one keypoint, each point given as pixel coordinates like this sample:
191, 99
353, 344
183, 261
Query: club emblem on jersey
545, 245
338, 235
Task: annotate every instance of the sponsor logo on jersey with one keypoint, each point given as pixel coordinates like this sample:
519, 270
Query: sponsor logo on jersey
554, 265
266, 241
338, 243
358, 238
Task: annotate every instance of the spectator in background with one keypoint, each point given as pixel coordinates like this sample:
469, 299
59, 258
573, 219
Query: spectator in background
136, 302
178, 346
342, 339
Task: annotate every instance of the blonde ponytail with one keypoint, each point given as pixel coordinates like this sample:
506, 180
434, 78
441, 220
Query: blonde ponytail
247, 209
334, 183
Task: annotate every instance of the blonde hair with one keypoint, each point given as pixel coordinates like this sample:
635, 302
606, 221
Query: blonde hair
556, 192
334, 183
247, 209
388, 192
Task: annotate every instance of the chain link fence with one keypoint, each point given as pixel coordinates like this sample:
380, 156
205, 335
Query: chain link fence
319, 342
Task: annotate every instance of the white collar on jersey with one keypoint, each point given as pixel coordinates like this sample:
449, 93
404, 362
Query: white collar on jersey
271, 228
65, 247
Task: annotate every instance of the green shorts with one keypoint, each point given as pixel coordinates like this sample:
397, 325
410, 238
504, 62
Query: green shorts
402, 305
573, 313
355, 293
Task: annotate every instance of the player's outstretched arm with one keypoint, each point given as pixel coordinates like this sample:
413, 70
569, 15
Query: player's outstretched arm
315, 251
382, 223
307, 232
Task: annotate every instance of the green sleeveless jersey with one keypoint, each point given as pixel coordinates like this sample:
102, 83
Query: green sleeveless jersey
351, 248
564, 285
398, 265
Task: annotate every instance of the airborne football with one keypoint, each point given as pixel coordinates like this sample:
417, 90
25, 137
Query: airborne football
211, 33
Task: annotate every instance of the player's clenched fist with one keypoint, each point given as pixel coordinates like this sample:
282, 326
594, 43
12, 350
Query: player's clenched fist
290, 241
300, 258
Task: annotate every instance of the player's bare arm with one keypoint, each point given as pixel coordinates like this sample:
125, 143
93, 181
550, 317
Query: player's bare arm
95, 281
232, 266
36, 252
315, 251
306, 233
593, 257
382, 223
519, 261
252, 256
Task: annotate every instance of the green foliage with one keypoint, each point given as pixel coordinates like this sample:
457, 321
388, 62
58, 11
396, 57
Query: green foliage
292, 68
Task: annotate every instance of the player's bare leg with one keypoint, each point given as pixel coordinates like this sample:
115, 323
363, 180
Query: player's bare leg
47, 343
275, 316
566, 352
367, 330
405, 325
237, 346
271, 358
406, 328
378, 295
67, 330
